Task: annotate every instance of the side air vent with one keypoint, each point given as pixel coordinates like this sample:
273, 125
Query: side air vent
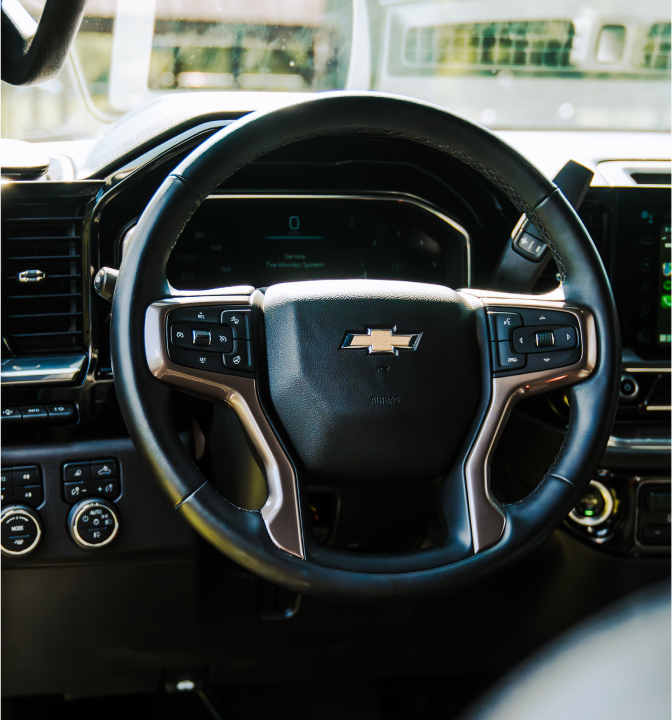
42, 279
531, 44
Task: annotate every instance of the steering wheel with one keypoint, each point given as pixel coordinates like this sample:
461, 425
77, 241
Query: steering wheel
299, 369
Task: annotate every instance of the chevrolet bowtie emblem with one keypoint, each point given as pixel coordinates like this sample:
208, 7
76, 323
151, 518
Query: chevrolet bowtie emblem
381, 341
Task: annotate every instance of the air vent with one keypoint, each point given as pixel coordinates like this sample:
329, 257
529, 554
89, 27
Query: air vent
42, 279
536, 44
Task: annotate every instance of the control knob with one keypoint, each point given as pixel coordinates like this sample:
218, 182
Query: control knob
21, 530
93, 523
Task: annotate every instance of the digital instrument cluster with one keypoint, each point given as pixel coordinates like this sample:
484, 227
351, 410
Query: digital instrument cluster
264, 240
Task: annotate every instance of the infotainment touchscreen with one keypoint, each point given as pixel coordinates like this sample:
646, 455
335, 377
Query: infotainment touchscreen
664, 286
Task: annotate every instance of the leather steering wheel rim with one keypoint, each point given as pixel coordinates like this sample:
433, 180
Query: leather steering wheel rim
145, 400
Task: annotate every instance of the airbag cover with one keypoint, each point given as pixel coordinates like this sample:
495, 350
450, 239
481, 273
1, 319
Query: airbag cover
352, 415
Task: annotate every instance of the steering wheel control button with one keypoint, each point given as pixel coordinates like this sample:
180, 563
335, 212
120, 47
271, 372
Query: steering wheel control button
533, 316
199, 359
543, 340
629, 387
505, 359
201, 338
193, 314
555, 359
21, 530
241, 358
595, 506
240, 323
530, 247
502, 323
93, 523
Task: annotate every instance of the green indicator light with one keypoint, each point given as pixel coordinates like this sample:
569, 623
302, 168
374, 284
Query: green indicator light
588, 513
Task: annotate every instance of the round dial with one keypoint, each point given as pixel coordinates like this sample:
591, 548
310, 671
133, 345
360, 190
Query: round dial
93, 523
21, 530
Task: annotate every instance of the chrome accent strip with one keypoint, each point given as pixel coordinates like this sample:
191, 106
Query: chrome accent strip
383, 195
598, 519
658, 408
281, 510
55, 368
647, 369
640, 443
487, 518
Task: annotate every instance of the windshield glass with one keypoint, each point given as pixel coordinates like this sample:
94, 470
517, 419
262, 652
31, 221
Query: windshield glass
507, 64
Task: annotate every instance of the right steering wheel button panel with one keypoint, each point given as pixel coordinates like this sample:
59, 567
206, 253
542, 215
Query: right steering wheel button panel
538, 340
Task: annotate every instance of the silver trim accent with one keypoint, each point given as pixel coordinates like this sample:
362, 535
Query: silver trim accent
487, 518
647, 369
81, 507
604, 515
54, 368
38, 277
281, 510
640, 443
33, 516
658, 408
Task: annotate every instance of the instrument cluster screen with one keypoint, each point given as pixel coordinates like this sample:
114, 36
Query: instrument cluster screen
261, 241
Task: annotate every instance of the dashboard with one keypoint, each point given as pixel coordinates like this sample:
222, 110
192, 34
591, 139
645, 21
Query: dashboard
343, 207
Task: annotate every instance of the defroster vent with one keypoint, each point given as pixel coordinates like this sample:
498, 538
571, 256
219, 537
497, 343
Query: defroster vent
42, 279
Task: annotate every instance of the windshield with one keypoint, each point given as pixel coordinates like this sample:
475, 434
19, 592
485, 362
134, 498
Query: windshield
507, 64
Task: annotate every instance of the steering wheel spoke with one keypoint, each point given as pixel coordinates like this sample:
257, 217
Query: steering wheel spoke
192, 342
536, 344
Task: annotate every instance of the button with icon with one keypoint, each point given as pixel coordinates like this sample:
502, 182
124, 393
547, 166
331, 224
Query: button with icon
77, 472
240, 323
240, 358
10, 415
103, 470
